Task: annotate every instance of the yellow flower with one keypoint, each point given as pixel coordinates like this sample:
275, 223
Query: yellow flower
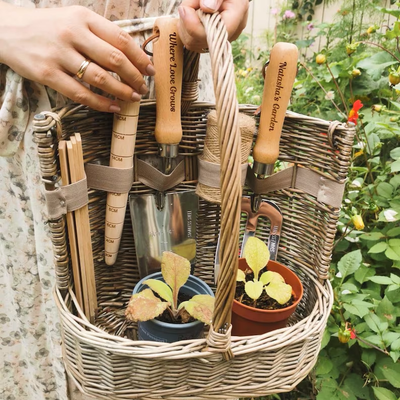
358, 222
358, 154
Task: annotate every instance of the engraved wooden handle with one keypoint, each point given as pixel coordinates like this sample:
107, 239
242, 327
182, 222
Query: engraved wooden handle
278, 84
122, 149
168, 62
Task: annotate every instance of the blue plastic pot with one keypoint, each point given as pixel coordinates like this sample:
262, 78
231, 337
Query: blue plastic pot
158, 331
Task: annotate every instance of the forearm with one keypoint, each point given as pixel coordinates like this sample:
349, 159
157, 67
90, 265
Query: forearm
9, 19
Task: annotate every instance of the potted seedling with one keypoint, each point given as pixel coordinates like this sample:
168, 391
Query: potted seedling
171, 305
267, 292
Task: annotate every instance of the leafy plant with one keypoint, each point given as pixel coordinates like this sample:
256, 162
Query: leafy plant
145, 305
359, 64
257, 256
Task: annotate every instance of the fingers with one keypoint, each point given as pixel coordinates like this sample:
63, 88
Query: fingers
191, 30
78, 93
113, 59
210, 6
233, 13
122, 41
100, 78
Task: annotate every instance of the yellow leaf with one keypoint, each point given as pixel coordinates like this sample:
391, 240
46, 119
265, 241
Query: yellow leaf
241, 276
144, 306
161, 288
270, 277
175, 271
256, 254
253, 289
200, 307
279, 291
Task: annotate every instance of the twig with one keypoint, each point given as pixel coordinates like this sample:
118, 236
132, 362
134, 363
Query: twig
381, 47
338, 89
323, 89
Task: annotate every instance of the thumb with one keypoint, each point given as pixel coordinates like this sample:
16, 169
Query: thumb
210, 6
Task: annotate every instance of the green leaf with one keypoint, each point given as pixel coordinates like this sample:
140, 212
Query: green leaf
200, 307
390, 337
383, 394
393, 232
395, 153
393, 253
395, 166
368, 356
324, 366
364, 273
395, 278
350, 263
392, 374
376, 64
378, 248
373, 142
395, 355
385, 190
256, 254
326, 337
395, 345
253, 289
374, 323
144, 306
395, 181
373, 236
385, 310
279, 291
358, 310
382, 280
161, 288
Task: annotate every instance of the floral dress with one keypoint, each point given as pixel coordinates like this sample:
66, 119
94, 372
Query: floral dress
30, 354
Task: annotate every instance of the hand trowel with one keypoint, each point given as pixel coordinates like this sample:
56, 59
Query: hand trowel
165, 221
278, 84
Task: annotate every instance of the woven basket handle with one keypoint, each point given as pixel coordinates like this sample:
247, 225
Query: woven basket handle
231, 190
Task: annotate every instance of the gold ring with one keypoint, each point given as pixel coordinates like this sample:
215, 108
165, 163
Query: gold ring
205, 50
82, 68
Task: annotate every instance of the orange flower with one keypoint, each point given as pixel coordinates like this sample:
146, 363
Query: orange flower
353, 114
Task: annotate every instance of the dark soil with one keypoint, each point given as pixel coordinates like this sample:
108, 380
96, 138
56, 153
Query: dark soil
183, 318
264, 302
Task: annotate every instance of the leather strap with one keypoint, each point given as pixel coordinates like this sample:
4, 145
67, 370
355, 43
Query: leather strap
71, 197
66, 199
210, 175
152, 177
325, 190
109, 179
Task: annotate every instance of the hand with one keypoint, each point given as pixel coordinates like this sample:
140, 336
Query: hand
49, 45
233, 13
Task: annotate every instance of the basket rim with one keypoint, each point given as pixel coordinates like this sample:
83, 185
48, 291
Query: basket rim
307, 328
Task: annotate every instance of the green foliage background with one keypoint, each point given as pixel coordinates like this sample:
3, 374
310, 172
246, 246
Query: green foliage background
362, 55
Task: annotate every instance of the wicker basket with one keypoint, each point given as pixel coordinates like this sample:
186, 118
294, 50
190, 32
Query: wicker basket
104, 359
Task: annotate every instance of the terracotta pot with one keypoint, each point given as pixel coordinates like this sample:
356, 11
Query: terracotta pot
253, 321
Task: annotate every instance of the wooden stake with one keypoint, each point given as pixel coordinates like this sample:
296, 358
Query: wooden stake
82, 223
62, 151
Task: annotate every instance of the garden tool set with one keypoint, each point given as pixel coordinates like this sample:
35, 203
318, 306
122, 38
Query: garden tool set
165, 221
279, 78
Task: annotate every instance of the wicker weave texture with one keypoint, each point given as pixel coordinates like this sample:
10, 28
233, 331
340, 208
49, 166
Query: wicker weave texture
104, 359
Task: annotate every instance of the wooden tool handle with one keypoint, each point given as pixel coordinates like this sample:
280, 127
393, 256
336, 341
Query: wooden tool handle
168, 62
279, 79
122, 149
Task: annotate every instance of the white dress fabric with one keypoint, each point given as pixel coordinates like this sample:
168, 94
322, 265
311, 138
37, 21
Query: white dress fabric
30, 353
